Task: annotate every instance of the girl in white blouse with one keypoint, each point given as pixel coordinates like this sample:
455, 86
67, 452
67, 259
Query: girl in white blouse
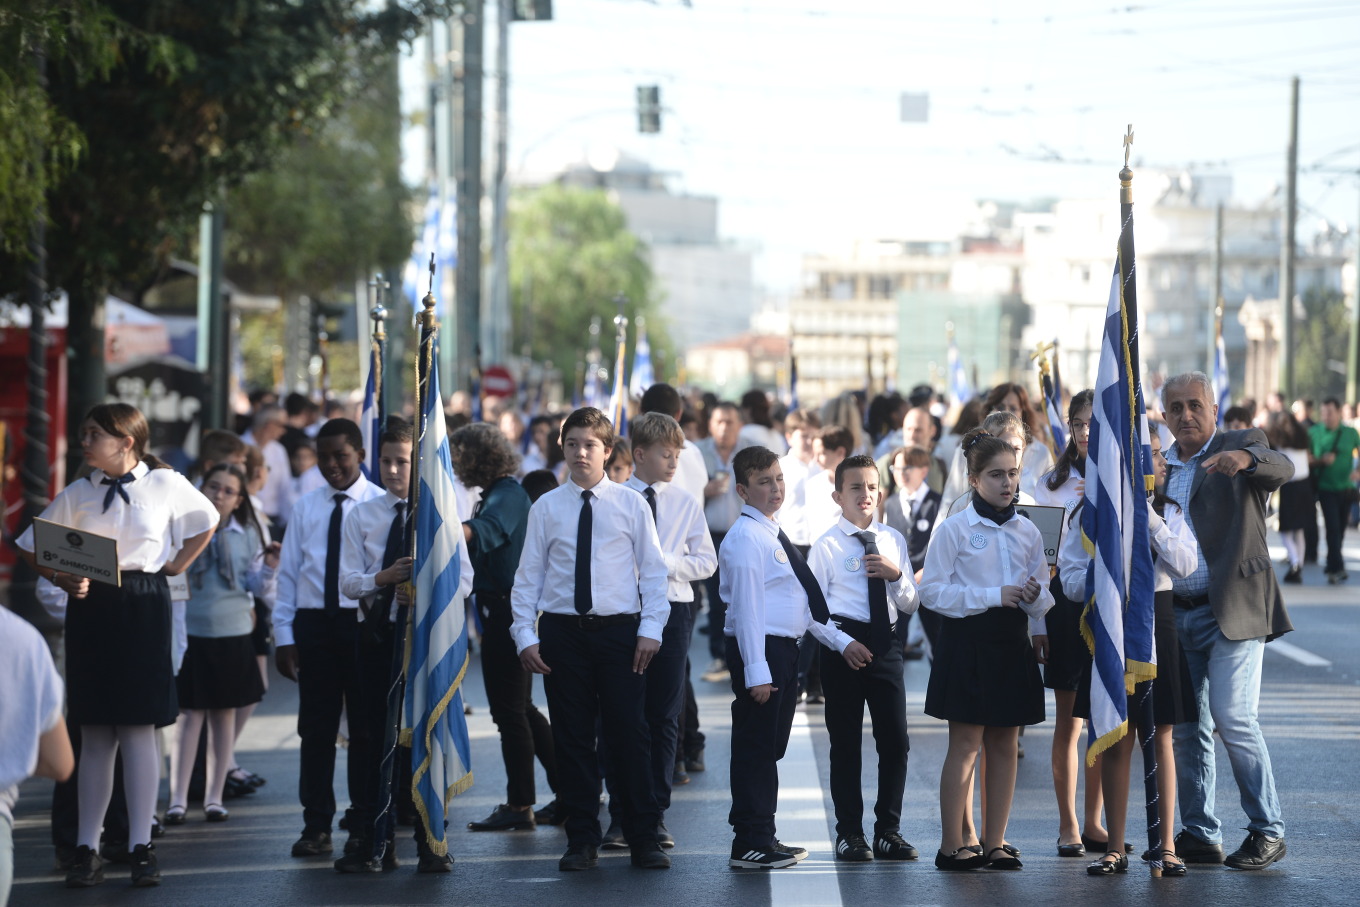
120, 683
985, 572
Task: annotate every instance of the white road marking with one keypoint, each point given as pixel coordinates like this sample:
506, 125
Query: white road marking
805, 824
1302, 656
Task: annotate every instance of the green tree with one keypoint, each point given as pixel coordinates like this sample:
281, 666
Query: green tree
570, 255
1323, 337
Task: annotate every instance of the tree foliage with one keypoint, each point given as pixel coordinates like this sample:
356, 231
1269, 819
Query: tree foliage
1323, 340
570, 255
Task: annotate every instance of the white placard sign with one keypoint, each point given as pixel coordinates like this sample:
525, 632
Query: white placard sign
76, 551
1049, 520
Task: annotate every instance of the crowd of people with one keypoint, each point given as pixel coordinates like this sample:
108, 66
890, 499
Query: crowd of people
826, 546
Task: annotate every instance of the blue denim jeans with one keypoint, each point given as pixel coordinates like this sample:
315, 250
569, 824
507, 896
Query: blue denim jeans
1226, 678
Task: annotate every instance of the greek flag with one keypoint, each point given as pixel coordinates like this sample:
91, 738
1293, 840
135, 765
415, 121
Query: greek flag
960, 391
1222, 389
419, 263
643, 377
438, 647
1051, 383
1117, 620
370, 417
793, 380
618, 399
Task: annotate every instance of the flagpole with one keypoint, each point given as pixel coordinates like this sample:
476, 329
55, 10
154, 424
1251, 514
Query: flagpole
377, 363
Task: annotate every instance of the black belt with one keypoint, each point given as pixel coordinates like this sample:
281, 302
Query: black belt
850, 624
594, 621
1189, 602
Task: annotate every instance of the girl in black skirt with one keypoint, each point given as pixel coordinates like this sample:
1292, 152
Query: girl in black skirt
985, 573
1063, 652
1174, 555
219, 674
119, 680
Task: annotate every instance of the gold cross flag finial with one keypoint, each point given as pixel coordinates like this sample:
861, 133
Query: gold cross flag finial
1040, 355
1128, 144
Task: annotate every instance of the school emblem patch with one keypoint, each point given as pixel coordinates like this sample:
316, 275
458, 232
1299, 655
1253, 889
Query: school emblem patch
1070, 506
853, 563
781, 556
978, 541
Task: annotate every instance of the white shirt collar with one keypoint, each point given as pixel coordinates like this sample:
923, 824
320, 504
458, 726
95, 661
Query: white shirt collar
914, 497
638, 485
595, 489
97, 476
850, 528
765, 522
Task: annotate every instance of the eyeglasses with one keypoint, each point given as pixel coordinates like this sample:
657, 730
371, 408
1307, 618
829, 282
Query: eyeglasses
1079, 427
214, 488
904, 467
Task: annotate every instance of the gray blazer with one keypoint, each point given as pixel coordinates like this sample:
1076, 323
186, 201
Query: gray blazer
1229, 515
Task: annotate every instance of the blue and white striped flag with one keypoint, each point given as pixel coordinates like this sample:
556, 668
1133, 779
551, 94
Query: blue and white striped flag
1051, 383
960, 389
1222, 389
1117, 620
370, 417
618, 399
438, 647
643, 377
418, 266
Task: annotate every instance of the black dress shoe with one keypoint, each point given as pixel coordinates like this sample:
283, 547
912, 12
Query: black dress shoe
356, 863
434, 862
1009, 859
650, 856
1172, 867
1193, 850
1256, 852
312, 844
503, 818
955, 863
664, 836
1095, 846
695, 761
852, 848
552, 814
577, 858
1108, 867
613, 838
1071, 850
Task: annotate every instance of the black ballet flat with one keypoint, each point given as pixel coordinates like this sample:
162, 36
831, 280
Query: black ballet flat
1071, 850
1176, 869
1106, 867
1095, 846
953, 863
1011, 860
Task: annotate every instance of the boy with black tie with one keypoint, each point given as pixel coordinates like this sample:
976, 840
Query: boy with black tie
856, 564
601, 591
771, 598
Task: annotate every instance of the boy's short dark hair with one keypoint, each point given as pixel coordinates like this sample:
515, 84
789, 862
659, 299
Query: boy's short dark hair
537, 483
621, 452
219, 444
836, 437
752, 459
863, 461
1237, 414
655, 427
397, 431
1326, 401
802, 418
591, 419
911, 456
661, 398
342, 428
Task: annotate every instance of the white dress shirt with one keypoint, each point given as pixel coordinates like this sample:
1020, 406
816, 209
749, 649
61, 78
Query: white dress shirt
1066, 496
691, 474
793, 515
820, 510
162, 511
764, 597
625, 560
302, 563
837, 560
1172, 541
970, 558
686, 545
365, 532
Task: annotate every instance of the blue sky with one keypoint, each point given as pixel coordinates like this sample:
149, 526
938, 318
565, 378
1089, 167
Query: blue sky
787, 111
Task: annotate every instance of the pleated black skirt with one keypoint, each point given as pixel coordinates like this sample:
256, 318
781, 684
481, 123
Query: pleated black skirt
118, 668
219, 673
984, 671
1068, 656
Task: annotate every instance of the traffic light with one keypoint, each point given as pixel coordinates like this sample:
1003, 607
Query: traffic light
649, 108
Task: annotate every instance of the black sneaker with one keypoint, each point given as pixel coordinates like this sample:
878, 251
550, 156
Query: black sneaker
358, 863
114, 852
552, 814
503, 818
892, 846
85, 870
434, 862
145, 872
799, 853
1294, 576
664, 836
754, 858
650, 856
853, 849
614, 838
312, 844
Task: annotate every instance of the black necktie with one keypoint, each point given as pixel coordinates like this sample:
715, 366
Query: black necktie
880, 628
816, 600
117, 486
584, 527
331, 591
396, 537
650, 494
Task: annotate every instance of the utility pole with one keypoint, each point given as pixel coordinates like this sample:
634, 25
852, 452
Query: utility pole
497, 338
1287, 249
1217, 301
467, 126
213, 344
1353, 359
